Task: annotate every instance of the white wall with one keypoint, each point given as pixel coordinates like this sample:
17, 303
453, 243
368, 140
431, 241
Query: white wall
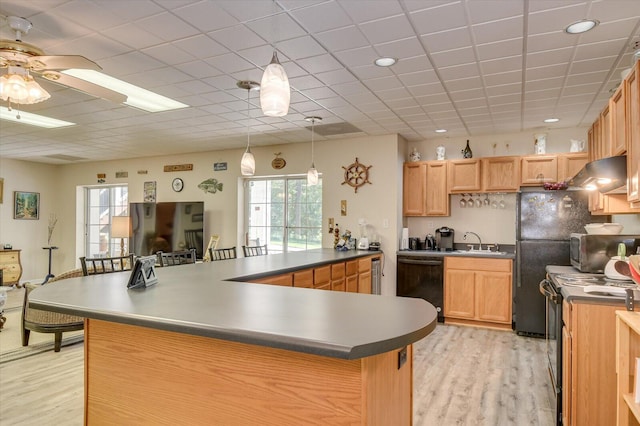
59, 188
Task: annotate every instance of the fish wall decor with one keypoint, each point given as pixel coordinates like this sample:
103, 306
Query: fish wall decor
210, 185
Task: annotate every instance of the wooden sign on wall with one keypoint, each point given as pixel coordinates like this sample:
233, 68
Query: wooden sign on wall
178, 168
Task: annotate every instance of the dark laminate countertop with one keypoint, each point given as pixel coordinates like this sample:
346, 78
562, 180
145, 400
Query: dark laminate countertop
457, 253
201, 300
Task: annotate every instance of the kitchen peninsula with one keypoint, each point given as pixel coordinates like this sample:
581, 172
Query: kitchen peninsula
199, 347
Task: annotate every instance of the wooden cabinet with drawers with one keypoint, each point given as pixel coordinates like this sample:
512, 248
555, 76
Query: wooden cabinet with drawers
538, 169
11, 266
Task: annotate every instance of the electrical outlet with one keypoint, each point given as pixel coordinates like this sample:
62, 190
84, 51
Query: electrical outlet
385, 223
343, 207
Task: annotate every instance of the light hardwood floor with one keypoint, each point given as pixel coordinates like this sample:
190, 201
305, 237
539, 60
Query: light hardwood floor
462, 376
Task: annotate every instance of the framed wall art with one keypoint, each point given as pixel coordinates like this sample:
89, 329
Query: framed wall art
26, 205
150, 192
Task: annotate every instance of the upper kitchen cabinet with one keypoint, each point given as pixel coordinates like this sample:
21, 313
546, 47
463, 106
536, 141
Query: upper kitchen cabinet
414, 184
605, 133
632, 84
569, 164
464, 176
437, 196
500, 174
538, 169
617, 108
425, 189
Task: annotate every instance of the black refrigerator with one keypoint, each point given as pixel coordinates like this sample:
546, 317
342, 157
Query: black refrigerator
545, 221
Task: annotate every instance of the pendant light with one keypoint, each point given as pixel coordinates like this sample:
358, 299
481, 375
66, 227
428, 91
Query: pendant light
312, 173
275, 93
248, 162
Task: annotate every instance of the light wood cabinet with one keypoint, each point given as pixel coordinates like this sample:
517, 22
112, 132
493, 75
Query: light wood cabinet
589, 358
322, 278
414, 184
364, 275
628, 349
11, 266
464, 175
566, 365
632, 82
617, 108
351, 279
283, 280
303, 278
424, 191
338, 276
500, 174
569, 164
437, 197
538, 169
605, 132
478, 290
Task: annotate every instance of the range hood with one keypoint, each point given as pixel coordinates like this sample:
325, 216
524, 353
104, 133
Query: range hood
607, 175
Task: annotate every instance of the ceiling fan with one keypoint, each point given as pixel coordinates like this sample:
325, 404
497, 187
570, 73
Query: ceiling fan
22, 59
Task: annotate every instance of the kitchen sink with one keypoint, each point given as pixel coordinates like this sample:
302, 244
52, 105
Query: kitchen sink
480, 252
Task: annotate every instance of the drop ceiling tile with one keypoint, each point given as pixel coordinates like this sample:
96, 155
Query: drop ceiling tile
237, 37
206, 16
549, 41
167, 27
94, 46
393, 94
491, 32
132, 35
383, 83
459, 71
130, 63
422, 90
387, 29
201, 46
610, 30
499, 49
357, 57
339, 39
92, 15
463, 84
450, 58
371, 71
551, 71
492, 10
169, 54
331, 78
418, 78
447, 40
542, 94
277, 28
470, 102
549, 57
322, 17
363, 11
407, 65
503, 78
230, 63
504, 99
305, 82
547, 83
581, 89
602, 49
585, 78
440, 18
505, 89
590, 65
494, 66
301, 47
403, 48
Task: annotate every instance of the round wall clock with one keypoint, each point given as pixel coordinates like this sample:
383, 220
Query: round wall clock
177, 184
356, 175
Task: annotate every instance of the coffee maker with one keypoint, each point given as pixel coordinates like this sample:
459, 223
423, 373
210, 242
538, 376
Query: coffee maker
444, 238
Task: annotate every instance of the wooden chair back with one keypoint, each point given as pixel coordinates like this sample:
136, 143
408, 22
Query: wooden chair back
250, 251
176, 257
222, 253
106, 265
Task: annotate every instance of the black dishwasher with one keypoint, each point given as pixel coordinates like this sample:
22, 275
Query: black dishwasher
422, 276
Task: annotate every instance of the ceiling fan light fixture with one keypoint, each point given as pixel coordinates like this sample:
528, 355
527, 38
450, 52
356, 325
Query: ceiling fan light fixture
275, 92
581, 26
19, 87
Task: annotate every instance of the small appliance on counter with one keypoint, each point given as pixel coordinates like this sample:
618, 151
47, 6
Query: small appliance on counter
444, 238
414, 243
430, 242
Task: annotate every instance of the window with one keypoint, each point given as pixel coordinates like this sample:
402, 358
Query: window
102, 203
284, 213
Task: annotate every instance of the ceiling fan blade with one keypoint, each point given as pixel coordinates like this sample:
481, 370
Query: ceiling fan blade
62, 62
85, 86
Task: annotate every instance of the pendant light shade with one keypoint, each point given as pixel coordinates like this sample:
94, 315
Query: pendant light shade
248, 162
312, 173
275, 92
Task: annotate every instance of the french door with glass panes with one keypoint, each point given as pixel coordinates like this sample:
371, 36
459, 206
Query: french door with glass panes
102, 204
284, 213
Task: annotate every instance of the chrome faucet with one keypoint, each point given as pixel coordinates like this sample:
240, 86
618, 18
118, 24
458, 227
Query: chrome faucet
477, 236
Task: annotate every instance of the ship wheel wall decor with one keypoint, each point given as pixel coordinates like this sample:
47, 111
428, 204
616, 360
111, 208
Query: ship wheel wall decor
356, 175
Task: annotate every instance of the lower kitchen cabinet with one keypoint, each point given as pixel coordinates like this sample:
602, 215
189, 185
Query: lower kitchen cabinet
589, 364
322, 278
351, 279
628, 350
283, 279
478, 291
364, 275
337, 276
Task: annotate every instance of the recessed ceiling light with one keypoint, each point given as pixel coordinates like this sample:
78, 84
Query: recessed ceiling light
441, 130
32, 119
551, 120
136, 96
581, 26
385, 62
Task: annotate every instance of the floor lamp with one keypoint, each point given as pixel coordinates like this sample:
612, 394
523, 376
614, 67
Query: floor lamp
120, 229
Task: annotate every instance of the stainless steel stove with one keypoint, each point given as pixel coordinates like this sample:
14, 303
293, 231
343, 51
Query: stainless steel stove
584, 280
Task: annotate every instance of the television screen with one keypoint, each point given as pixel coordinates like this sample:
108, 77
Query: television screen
166, 227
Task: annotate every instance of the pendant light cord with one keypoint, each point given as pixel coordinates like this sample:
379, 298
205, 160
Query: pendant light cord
248, 116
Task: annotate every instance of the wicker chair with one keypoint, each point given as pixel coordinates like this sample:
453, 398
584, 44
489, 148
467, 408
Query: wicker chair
43, 321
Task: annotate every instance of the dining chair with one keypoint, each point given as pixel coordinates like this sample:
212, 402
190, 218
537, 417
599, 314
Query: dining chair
176, 257
250, 251
222, 253
106, 265
43, 321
